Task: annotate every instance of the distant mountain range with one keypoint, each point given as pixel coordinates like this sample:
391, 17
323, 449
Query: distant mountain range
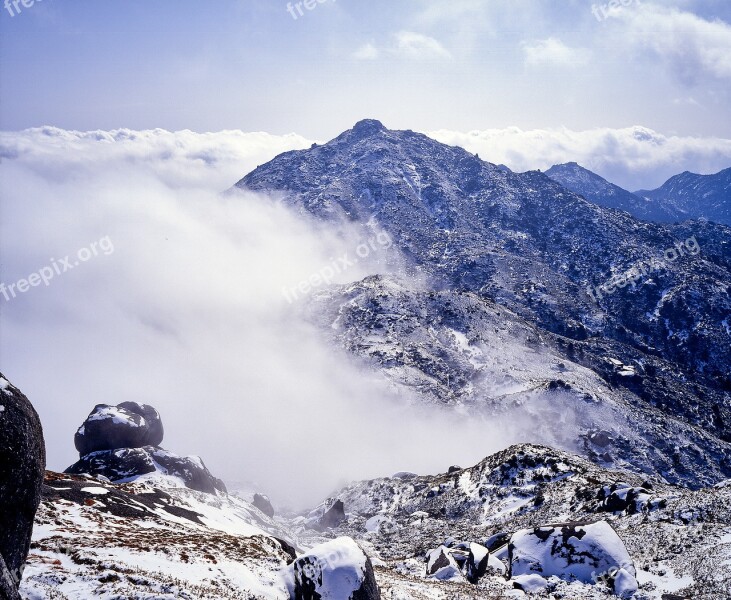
685, 196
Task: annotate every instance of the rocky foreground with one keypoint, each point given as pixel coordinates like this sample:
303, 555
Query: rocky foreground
527, 521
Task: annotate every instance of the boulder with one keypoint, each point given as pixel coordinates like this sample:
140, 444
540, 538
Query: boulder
333, 516
156, 432
127, 464
621, 497
442, 564
477, 563
586, 552
264, 505
457, 561
129, 425
335, 570
22, 466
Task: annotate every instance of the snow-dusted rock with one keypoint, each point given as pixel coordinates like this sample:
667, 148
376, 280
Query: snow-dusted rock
441, 564
585, 552
477, 562
128, 425
152, 418
333, 516
22, 464
335, 570
128, 464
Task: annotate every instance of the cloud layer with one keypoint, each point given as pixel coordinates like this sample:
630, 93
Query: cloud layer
632, 157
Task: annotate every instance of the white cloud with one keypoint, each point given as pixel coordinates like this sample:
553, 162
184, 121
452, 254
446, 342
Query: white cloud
180, 159
691, 46
633, 157
366, 52
417, 45
552, 51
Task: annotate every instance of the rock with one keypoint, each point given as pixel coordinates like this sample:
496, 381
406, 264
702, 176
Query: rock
336, 570
129, 463
587, 552
621, 497
129, 425
441, 564
156, 432
22, 466
334, 516
457, 561
264, 505
477, 562
453, 469
497, 541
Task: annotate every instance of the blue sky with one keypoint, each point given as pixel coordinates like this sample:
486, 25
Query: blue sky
420, 64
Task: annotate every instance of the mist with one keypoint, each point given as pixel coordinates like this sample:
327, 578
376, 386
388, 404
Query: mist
182, 306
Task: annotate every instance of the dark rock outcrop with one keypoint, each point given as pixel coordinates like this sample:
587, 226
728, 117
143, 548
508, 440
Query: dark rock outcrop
264, 505
127, 463
128, 425
334, 516
22, 465
122, 443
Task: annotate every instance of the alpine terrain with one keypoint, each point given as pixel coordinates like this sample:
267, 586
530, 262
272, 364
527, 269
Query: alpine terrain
554, 302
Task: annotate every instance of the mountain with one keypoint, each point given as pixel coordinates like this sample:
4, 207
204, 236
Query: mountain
692, 196
510, 300
598, 190
643, 307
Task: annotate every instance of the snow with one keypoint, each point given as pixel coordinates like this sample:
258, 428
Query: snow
598, 554
118, 416
531, 583
100, 491
669, 582
374, 523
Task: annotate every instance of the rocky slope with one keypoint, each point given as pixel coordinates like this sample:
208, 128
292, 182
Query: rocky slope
678, 541
468, 533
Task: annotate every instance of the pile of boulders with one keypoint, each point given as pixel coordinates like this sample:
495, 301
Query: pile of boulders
122, 443
590, 553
